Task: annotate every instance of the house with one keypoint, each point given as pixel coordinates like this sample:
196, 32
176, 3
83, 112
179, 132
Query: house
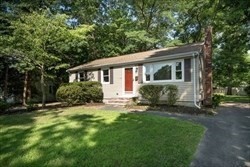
187, 66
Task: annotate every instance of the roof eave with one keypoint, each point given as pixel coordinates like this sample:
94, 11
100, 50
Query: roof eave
146, 60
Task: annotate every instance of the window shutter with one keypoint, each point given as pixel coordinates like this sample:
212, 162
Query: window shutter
140, 80
187, 70
86, 75
99, 75
111, 75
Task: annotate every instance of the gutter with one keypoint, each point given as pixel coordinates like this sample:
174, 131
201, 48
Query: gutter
194, 64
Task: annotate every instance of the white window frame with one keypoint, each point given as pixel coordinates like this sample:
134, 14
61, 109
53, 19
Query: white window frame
173, 71
182, 70
103, 82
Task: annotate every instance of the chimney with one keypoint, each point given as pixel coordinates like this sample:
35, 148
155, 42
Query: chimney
207, 81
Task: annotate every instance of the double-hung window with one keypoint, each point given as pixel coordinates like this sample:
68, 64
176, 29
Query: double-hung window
82, 76
147, 72
178, 70
105, 76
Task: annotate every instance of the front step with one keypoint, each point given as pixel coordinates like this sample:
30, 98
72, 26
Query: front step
117, 101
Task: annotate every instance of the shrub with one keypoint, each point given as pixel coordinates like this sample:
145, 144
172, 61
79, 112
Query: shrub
152, 93
4, 106
172, 94
80, 92
71, 94
247, 90
92, 89
217, 99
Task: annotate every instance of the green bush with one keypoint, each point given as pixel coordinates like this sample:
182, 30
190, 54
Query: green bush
92, 89
80, 92
4, 106
247, 90
71, 94
152, 93
172, 94
217, 99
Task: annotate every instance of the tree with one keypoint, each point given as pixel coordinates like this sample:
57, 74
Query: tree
40, 40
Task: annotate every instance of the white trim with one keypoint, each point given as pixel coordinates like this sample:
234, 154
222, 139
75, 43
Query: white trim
102, 81
173, 71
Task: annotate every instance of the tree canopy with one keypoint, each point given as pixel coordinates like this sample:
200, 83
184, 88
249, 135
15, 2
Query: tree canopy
47, 36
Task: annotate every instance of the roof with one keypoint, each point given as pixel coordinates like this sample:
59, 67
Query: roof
141, 57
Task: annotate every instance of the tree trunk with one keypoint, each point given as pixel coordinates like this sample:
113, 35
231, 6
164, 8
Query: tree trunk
229, 90
43, 87
25, 85
6, 82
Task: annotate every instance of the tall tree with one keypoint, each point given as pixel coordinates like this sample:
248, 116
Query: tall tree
40, 41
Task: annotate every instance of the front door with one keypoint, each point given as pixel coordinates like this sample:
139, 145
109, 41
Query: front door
129, 80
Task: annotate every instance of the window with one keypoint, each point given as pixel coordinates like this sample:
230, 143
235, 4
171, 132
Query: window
105, 76
82, 76
162, 72
178, 70
147, 72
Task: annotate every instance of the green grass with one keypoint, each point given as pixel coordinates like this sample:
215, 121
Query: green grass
87, 137
236, 99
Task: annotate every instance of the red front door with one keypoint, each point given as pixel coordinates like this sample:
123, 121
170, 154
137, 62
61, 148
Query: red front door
128, 79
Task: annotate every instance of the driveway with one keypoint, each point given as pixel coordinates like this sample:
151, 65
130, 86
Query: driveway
227, 139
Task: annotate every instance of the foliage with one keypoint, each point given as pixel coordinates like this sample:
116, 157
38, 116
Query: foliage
172, 94
71, 94
152, 93
88, 137
236, 99
4, 106
217, 99
80, 92
53, 34
247, 90
40, 40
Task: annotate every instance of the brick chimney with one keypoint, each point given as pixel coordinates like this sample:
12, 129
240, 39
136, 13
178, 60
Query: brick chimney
207, 81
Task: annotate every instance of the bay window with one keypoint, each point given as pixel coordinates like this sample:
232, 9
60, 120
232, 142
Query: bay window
163, 71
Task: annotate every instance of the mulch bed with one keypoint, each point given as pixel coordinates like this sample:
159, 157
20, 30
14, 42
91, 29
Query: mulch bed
173, 109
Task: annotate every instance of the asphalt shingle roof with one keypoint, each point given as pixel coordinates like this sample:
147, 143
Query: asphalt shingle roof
140, 56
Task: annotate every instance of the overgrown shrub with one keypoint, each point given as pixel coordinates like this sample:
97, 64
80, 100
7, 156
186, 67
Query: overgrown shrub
80, 92
71, 94
152, 93
4, 106
172, 94
92, 89
217, 99
247, 90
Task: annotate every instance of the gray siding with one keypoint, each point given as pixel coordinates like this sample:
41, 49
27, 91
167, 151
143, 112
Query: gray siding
116, 90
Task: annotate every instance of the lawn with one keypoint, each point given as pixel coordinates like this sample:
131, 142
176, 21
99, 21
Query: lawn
88, 137
236, 99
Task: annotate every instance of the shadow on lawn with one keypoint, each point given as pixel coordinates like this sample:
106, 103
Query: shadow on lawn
85, 140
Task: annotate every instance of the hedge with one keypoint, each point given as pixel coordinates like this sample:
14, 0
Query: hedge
80, 92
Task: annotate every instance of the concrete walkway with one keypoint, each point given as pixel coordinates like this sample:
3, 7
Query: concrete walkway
227, 139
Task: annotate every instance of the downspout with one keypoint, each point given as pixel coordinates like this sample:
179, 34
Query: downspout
194, 79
